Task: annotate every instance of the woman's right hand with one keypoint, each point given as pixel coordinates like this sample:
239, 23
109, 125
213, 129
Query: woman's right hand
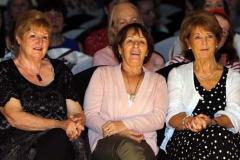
70, 128
133, 135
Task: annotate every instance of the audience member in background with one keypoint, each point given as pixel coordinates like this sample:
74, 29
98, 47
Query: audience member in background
125, 104
96, 37
2, 35
211, 5
40, 114
57, 12
207, 5
151, 22
123, 14
234, 9
225, 54
82, 6
14, 9
203, 120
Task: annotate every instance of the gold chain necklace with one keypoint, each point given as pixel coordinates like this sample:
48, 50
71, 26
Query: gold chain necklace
37, 74
206, 77
132, 95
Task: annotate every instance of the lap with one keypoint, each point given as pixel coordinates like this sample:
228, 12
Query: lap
212, 142
120, 147
30, 145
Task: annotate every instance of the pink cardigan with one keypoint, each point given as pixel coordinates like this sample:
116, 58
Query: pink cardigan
106, 56
106, 99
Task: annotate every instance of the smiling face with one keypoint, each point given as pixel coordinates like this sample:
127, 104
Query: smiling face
57, 21
34, 43
213, 4
134, 48
203, 44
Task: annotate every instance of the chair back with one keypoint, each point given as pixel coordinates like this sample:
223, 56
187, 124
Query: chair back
164, 46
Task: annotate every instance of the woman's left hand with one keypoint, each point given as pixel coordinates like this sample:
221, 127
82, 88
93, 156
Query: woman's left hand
196, 124
78, 121
113, 127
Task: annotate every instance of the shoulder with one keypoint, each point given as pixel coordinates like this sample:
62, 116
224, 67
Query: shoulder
6, 63
106, 69
105, 51
58, 65
232, 74
184, 70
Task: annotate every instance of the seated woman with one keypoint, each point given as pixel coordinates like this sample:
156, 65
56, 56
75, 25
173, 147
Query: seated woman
125, 104
57, 13
226, 53
123, 14
40, 113
203, 120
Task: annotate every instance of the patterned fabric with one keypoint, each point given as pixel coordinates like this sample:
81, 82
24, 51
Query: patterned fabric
96, 41
181, 59
45, 101
214, 142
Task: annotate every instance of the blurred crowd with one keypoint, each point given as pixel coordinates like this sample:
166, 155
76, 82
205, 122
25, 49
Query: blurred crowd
83, 25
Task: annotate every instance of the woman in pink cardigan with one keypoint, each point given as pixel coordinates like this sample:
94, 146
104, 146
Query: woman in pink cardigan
125, 104
123, 14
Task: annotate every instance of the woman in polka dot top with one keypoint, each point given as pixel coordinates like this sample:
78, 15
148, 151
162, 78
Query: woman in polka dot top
203, 120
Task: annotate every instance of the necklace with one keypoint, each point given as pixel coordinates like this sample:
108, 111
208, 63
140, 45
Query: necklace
206, 77
132, 95
37, 74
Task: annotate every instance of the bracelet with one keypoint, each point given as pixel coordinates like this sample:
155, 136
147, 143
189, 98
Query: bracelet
183, 122
184, 119
54, 124
216, 122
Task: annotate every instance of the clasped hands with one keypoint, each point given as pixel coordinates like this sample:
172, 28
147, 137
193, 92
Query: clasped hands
197, 123
111, 128
73, 127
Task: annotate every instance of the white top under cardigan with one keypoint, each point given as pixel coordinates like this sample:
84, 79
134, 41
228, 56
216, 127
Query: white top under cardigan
106, 99
183, 97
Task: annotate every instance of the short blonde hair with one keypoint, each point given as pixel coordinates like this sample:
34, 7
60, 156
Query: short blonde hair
32, 20
112, 19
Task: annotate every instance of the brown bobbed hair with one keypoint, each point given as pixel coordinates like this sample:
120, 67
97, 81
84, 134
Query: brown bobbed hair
194, 19
122, 35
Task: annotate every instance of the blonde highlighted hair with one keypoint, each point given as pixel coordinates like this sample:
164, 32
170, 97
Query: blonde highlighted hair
112, 19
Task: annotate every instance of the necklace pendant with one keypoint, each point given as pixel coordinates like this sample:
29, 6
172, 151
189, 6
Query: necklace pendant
39, 77
132, 97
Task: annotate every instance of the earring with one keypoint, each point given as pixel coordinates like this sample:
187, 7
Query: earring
189, 48
216, 46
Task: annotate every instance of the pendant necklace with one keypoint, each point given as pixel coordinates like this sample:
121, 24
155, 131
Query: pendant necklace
206, 77
132, 95
37, 74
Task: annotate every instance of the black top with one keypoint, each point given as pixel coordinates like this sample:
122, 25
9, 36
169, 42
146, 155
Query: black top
46, 101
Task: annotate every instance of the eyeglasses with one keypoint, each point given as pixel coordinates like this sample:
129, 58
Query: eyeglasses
225, 33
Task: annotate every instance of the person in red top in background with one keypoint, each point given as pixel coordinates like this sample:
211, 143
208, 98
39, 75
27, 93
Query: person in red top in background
98, 38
